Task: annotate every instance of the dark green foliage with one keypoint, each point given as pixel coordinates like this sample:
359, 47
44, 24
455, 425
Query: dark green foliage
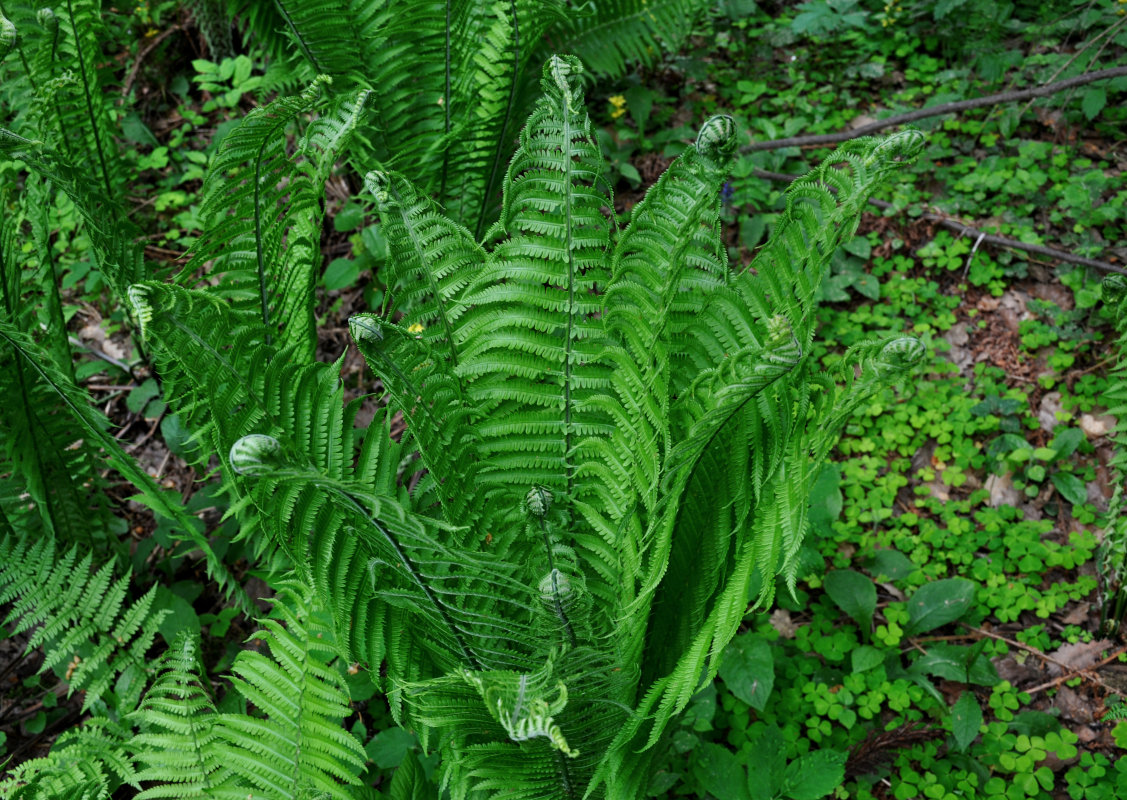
54, 441
80, 617
263, 212
609, 37
452, 80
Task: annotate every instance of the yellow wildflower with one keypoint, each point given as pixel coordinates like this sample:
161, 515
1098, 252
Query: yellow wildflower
415, 328
619, 103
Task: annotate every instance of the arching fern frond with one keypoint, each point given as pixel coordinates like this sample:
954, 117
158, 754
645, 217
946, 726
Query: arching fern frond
321, 32
56, 776
112, 236
469, 610
609, 36
298, 746
262, 210
58, 408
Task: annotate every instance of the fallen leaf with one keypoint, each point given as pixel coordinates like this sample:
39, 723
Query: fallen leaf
1080, 655
781, 621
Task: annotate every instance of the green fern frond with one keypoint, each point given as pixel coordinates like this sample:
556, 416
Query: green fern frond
1116, 709
299, 745
211, 19
610, 36
422, 386
432, 260
263, 212
469, 609
178, 747
79, 617
79, 116
531, 342
40, 442
55, 777
112, 235
90, 761
319, 29
57, 413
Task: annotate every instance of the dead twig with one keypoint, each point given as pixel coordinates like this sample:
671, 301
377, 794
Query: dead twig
1067, 669
1082, 673
129, 80
980, 237
937, 110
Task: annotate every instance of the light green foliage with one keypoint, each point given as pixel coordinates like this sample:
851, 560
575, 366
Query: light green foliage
179, 731
299, 746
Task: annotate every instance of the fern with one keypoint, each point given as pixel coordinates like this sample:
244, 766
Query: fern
1113, 551
299, 746
570, 392
263, 213
80, 618
60, 476
610, 433
452, 79
292, 747
178, 746
610, 36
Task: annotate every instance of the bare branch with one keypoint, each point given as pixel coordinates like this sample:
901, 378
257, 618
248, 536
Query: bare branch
986, 238
933, 111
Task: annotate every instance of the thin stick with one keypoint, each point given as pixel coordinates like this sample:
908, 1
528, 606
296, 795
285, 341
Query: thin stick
1110, 33
1067, 669
968, 230
934, 111
128, 85
1082, 673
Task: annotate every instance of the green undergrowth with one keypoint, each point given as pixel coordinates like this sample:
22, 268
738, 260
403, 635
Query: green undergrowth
879, 666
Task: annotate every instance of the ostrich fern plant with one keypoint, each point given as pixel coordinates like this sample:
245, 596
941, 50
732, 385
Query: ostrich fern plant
615, 431
610, 434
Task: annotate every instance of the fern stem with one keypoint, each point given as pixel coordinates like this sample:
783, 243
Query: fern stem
510, 105
259, 256
10, 308
305, 51
416, 576
569, 473
89, 101
555, 585
565, 774
446, 114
